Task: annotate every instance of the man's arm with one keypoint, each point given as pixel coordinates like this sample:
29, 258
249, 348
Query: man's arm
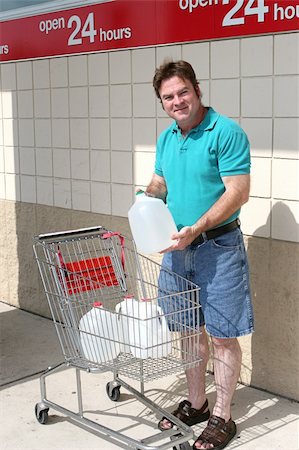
236, 194
157, 187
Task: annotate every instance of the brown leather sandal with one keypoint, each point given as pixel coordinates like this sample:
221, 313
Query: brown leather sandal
218, 433
190, 416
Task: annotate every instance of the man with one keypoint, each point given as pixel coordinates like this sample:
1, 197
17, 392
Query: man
202, 172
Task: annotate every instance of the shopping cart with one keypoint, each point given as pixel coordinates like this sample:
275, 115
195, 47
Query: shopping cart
92, 278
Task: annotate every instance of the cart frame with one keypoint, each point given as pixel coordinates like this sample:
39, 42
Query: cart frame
65, 290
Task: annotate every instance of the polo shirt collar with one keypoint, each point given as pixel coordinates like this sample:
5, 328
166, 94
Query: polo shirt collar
209, 121
207, 124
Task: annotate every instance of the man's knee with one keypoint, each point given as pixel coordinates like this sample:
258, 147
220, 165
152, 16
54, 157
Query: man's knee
225, 343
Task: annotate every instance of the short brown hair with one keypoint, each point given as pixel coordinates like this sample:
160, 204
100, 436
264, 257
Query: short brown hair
169, 69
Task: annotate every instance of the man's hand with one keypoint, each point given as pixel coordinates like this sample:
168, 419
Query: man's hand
181, 239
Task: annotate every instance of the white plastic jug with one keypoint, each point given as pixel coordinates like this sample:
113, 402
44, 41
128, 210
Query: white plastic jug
102, 345
122, 309
151, 224
145, 329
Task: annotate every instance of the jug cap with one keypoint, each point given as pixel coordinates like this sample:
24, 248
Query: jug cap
97, 304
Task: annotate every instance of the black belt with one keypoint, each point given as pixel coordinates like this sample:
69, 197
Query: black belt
216, 232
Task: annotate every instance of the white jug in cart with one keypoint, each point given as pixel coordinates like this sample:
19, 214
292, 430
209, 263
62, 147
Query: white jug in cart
145, 329
99, 334
122, 309
151, 224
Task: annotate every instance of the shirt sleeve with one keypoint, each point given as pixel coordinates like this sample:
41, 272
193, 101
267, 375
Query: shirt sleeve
234, 153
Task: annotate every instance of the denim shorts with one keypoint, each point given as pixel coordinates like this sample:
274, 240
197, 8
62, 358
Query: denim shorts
220, 268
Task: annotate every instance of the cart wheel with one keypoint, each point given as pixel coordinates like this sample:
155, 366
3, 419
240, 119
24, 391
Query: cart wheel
183, 446
42, 416
113, 394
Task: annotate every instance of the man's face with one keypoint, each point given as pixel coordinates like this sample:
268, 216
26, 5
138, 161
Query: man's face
181, 101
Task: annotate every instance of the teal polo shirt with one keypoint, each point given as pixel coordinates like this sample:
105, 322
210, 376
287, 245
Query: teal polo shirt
193, 165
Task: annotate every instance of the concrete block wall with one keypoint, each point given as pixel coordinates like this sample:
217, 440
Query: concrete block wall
78, 134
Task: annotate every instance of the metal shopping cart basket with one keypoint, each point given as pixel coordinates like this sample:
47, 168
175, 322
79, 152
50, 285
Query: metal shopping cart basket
117, 310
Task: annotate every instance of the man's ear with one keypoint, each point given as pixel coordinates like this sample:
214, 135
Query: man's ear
197, 90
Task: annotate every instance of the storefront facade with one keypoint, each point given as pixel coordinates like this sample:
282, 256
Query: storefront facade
79, 123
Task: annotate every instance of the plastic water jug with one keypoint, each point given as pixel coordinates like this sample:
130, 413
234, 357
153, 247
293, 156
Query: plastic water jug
151, 224
99, 334
122, 309
145, 329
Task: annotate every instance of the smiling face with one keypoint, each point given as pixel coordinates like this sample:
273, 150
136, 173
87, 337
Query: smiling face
181, 101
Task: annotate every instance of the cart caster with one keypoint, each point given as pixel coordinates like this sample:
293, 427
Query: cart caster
41, 414
183, 446
113, 392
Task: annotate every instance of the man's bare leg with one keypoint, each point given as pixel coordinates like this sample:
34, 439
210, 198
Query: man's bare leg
197, 345
227, 364
196, 376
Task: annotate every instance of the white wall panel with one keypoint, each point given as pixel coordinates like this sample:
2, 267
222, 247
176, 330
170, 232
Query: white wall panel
286, 50
100, 165
62, 162
25, 105
79, 131
12, 187
62, 193
101, 198
259, 132
27, 160
120, 67
42, 106
225, 59
77, 70
99, 101
41, 73
81, 195
59, 72
99, 130
8, 77
198, 55
60, 102
143, 65
144, 103
121, 134
60, 133
24, 75
225, 96
257, 97
286, 96
44, 161
26, 132
257, 56
44, 190
78, 102
28, 189
286, 138
42, 129
121, 101
98, 70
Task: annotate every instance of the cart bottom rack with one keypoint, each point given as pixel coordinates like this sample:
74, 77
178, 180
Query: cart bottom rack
115, 310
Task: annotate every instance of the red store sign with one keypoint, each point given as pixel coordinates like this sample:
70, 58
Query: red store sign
120, 24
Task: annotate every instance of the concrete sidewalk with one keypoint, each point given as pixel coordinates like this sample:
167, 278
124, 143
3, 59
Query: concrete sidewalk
29, 345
